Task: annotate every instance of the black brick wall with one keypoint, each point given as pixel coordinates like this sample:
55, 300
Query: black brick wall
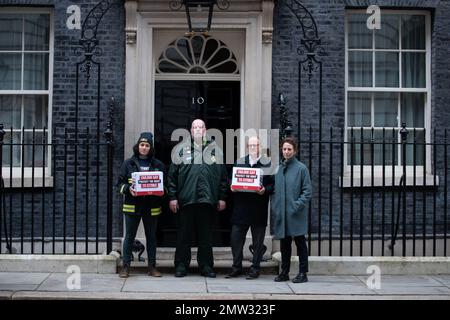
67, 54
329, 17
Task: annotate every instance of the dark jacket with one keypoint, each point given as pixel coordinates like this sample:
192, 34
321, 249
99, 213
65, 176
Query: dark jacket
142, 204
251, 208
289, 203
198, 178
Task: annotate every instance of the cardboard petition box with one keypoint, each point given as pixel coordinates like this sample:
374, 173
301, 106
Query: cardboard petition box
148, 183
246, 179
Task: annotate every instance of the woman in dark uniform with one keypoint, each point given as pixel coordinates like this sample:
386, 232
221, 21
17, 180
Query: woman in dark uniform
135, 208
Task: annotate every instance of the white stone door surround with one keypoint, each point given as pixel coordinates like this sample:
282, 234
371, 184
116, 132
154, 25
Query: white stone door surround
246, 24
146, 19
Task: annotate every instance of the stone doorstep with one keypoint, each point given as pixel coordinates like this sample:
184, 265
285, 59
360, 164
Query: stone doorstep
223, 260
220, 266
220, 253
317, 265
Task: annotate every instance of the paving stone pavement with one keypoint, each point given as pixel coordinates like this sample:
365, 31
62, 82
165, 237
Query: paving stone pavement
15, 285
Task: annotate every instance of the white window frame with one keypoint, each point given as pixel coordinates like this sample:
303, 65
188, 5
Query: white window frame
26, 181
398, 168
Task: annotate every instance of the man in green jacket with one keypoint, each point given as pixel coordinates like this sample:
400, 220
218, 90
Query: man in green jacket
197, 188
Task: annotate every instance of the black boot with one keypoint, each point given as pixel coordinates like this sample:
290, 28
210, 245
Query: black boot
253, 273
180, 271
125, 272
283, 276
300, 278
234, 273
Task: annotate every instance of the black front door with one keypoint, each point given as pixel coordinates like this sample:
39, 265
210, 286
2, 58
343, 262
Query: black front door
177, 104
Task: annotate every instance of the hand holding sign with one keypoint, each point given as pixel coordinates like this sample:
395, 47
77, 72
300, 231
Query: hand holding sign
173, 205
261, 191
221, 205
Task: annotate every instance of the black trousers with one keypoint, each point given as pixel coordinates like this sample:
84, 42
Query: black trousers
237, 239
302, 252
195, 219
131, 227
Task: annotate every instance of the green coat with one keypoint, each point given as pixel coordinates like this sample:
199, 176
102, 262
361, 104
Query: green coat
289, 203
198, 178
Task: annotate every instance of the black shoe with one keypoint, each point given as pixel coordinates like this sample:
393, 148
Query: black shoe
208, 272
180, 272
234, 273
283, 276
252, 274
125, 272
152, 271
300, 278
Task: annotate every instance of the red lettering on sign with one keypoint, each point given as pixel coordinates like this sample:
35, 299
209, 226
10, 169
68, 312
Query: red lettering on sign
149, 177
149, 185
245, 180
245, 171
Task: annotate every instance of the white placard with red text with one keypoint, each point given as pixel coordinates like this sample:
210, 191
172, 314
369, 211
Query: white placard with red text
148, 183
246, 179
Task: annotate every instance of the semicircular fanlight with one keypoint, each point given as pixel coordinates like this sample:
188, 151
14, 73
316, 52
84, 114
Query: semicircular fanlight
197, 54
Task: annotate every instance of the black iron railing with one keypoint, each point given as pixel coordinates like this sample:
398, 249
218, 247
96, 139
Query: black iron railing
56, 192
56, 185
377, 195
374, 195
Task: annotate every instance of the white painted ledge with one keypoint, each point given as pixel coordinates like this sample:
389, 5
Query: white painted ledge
429, 181
57, 263
28, 182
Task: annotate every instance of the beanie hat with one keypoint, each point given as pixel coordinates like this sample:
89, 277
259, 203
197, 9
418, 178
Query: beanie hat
146, 137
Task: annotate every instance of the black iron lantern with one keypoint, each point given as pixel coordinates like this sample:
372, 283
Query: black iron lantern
204, 6
288, 131
199, 5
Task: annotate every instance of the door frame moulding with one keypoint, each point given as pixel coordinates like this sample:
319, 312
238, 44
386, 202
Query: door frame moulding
255, 72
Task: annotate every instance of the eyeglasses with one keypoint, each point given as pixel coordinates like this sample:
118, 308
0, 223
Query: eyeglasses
253, 145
